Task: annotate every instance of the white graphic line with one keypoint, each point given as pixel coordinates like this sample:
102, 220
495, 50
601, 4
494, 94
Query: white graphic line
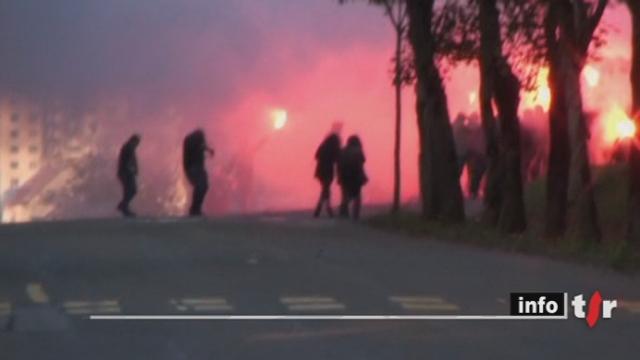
323, 317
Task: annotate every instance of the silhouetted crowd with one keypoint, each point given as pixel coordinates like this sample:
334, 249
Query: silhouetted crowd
471, 150
333, 161
348, 163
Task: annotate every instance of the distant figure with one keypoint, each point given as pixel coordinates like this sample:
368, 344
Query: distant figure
194, 149
470, 150
351, 176
326, 159
128, 173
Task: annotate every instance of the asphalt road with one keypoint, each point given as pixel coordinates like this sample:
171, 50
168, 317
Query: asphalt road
54, 275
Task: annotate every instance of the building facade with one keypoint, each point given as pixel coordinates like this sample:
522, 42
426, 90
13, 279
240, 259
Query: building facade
21, 152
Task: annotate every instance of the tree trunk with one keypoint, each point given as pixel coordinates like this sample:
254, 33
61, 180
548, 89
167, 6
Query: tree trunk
396, 150
559, 155
440, 186
572, 55
500, 84
489, 40
634, 159
569, 29
507, 91
583, 216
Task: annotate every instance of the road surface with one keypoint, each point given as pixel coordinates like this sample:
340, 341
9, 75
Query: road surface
55, 275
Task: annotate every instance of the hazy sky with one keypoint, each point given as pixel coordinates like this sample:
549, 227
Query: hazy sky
224, 64
182, 50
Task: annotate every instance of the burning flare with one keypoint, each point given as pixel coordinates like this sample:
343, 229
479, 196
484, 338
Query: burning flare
618, 125
591, 76
278, 118
541, 94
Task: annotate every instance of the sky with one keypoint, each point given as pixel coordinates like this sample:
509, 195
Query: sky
226, 66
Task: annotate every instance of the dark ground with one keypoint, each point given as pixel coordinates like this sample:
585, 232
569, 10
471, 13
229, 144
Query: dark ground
54, 274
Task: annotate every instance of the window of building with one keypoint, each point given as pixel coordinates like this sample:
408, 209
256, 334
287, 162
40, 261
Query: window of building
14, 149
14, 134
33, 149
33, 165
15, 117
33, 133
33, 117
14, 164
15, 182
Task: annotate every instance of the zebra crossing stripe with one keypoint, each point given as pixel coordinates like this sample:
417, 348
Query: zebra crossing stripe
92, 307
217, 304
416, 299
311, 303
424, 303
306, 299
36, 293
5, 308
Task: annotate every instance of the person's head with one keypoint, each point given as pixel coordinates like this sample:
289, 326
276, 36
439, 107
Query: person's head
135, 140
333, 141
199, 134
460, 122
354, 141
336, 127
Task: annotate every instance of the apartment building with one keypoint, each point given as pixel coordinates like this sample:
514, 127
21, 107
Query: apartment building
21, 150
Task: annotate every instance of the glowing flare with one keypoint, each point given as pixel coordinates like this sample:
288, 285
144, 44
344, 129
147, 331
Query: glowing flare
591, 76
544, 97
473, 96
541, 94
617, 125
279, 118
626, 129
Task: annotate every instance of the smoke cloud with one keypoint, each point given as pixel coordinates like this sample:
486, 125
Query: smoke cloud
163, 67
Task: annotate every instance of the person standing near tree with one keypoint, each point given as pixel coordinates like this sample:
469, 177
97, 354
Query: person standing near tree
326, 159
195, 148
128, 173
351, 176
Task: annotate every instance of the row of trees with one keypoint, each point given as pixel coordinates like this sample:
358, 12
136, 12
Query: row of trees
508, 39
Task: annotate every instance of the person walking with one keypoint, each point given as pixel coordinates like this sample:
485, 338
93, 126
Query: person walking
326, 159
352, 177
128, 173
195, 148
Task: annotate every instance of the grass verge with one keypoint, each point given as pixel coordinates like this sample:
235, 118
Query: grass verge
612, 252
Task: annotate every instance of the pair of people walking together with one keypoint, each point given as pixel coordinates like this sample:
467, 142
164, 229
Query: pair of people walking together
348, 164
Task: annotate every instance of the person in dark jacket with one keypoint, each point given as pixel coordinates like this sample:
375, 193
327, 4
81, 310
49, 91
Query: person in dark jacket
351, 176
194, 149
128, 173
326, 159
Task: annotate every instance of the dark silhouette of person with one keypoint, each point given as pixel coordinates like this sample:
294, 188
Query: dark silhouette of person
351, 176
194, 149
128, 173
326, 159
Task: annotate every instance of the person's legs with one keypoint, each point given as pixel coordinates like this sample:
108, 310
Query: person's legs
200, 187
120, 206
129, 190
357, 204
318, 209
327, 192
344, 204
325, 197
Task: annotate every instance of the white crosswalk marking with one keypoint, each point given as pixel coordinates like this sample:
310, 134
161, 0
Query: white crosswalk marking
424, 303
5, 308
631, 306
206, 304
92, 307
311, 303
36, 293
